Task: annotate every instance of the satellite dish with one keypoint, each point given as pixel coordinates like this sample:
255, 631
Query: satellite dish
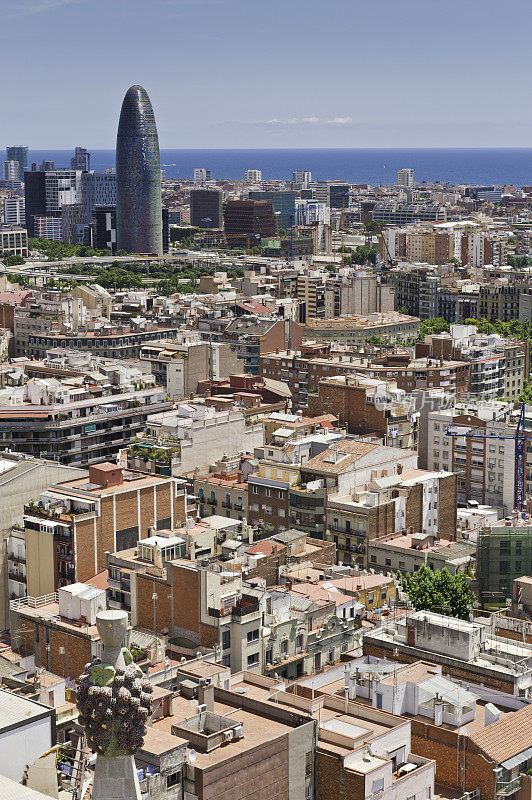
192, 756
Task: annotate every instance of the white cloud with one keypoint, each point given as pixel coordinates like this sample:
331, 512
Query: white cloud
40, 6
312, 120
294, 121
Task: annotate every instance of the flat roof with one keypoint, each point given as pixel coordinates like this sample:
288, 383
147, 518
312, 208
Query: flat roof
16, 710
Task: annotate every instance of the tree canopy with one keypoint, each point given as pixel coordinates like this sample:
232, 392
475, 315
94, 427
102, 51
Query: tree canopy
439, 591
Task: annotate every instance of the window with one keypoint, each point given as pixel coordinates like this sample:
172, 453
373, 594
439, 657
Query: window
269, 655
268, 492
377, 786
373, 559
281, 495
299, 643
172, 780
253, 659
388, 562
331, 654
255, 490
226, 639
284, 648
253, 636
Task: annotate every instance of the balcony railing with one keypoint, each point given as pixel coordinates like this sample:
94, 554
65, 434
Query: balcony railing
505, 788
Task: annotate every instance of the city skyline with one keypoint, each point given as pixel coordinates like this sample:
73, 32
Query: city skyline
353, 97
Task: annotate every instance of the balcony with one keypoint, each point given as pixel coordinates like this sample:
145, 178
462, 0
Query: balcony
14, 575
240, 611
505, 788
227, 504
212, 501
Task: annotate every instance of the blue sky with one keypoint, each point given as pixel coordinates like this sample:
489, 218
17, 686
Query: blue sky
269, 73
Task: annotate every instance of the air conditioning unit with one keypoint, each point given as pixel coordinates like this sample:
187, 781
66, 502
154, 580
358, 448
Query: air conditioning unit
238, 732
228, 735
201, 708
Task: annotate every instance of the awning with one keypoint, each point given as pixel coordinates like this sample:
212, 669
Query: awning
514, 761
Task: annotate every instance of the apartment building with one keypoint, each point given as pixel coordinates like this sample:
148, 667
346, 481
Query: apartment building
305, 369
14, 240
20, 477
361, 752
195, 599
504, 554
446, 718
72, 424
54, 319
308, 628
470, 242
498, 367
182, 363
407, 552
251, 337
311, 290
500, 301
414, 500
59, 628
237, 741
367, 406
224, 490
415, 288
338, 469
484, 464
456, 304
391, 326
66, 534
356, 294
465, 650
191, 437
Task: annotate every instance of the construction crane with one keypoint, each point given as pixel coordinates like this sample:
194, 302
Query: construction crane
520, 439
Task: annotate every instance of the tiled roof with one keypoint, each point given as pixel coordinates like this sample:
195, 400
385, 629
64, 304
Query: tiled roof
348, 451
509, 736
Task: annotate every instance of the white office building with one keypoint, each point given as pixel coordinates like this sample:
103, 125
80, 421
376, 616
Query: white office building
310, 211
301, 178
405, 177
14, 213
201, 175
10, 171
253, 176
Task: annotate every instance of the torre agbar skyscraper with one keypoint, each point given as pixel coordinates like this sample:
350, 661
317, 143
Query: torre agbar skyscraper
138, 176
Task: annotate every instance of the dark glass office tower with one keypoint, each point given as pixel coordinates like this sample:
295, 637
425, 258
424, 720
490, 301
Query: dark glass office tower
138, 176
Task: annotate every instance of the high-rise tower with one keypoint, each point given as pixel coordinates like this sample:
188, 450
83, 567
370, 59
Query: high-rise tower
138, 176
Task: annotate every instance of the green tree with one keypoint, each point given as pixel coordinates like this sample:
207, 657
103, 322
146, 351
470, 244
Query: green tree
13, 261
439, 591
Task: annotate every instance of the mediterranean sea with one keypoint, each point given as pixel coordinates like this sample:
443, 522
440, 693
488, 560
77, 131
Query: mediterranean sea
499, 166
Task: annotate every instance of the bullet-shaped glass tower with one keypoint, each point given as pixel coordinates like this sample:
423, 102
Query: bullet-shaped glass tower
138, 176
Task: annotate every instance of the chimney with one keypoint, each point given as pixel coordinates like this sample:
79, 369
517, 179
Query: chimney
206, 695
